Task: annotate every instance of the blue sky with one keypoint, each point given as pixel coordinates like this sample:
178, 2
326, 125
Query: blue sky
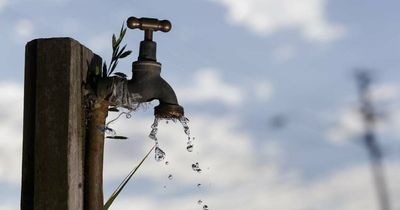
234, 65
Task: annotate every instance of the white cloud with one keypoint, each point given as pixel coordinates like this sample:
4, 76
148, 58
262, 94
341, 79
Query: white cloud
100, 43
349, 122
385, 92
348, 125
11, 108
269, 16
24, 29
233, 177
237, 179
209, 86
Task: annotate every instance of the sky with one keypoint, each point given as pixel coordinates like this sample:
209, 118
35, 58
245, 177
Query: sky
238, 67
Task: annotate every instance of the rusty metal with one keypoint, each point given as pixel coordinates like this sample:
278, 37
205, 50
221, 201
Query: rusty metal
168, 111
146, 79
149, 24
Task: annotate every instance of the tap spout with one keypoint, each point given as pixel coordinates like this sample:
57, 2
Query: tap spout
148, 83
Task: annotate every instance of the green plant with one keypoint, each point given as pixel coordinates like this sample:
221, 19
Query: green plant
117, 54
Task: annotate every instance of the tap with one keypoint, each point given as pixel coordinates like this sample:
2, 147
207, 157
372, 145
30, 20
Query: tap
146, 71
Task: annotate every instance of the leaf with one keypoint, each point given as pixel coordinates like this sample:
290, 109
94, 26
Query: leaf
123, 33
113, 109
115, 53
120, 74
121, 186
125, 54
104, 69
122, 28
117, 137
121, 51
113, 67
114, 41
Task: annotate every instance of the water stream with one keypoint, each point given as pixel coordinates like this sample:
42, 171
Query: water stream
160, 154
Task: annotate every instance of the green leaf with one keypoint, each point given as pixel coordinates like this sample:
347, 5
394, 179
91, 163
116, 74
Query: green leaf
113, 109
122, 28
120, 74
123, 33
117, 137
115, 53
115, 194
125, 54
113, 67
114, 41
104, 69
121, 51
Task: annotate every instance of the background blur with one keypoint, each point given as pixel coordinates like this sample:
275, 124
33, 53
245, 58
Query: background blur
269, 88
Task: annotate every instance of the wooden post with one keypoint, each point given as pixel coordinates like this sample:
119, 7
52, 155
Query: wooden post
54, 124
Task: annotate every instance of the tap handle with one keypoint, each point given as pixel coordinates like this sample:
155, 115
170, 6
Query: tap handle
149, 24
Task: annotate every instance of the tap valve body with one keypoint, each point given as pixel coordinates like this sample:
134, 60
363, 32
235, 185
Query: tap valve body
148, 47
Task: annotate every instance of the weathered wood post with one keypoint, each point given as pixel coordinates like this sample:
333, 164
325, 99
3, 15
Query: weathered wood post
54, 124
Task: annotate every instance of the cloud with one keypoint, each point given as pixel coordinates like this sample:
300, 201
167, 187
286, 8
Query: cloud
266, 17
100, 43
234, 177
348, 123
11, 109
24, 29
209, 86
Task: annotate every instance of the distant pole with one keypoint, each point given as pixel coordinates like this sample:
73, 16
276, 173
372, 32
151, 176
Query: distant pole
374, 151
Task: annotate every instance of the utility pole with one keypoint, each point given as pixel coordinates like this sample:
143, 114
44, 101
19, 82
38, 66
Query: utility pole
370, 141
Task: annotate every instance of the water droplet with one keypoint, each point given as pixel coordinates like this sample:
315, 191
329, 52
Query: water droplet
170, 177
153, 133
196, 167
205, 207
184, 121
159, 154
189, 147
193, 138
199, 202
198, 185
109, 131
166, 162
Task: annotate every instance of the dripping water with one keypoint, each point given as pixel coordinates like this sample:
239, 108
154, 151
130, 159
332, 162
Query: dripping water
196, 167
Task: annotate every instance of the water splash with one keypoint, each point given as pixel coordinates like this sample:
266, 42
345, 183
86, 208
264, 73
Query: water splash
196, 167
154, 129
170, 177
189, 146
159, 154
112, 132
184, 121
